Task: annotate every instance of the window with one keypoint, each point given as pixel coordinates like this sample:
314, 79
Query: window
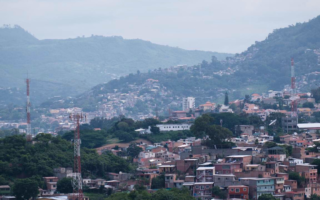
244, 189
202, 187
232, 189
197, 187
237, 190
207, 186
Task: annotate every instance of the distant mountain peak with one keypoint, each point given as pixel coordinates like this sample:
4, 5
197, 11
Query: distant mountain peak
15, 35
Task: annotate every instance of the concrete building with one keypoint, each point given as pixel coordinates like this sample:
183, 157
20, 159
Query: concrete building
238, 192
173, 127
203, 190
205, 174
259, 186
188, 103
289, 123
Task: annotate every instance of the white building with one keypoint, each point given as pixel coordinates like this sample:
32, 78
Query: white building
188, 103
225, 109
173, 127
148, 154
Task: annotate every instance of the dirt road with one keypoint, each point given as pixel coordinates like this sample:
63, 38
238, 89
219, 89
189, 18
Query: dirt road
110, 146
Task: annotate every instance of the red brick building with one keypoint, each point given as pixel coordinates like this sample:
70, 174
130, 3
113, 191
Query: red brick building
238, 192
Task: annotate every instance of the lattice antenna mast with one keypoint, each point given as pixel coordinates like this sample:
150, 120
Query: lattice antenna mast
77, 179
28, 110
293, 89
293, 78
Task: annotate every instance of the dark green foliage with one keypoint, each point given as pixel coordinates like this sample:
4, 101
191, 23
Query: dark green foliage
219, 193
266, 197
205, 125
89, 138
317, 162
103, 123
4, 133
158, 182
226, 99
162, 194
25, 189
124, 136
316, 116
133, 150
3, 181
65, 185
316, 94
314, 197
308, 105
155, 130
295, 176
21, 159
270, 144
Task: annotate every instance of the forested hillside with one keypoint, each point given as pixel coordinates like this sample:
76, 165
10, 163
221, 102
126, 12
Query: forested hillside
20, 159
268, 62
70, 66
264, 66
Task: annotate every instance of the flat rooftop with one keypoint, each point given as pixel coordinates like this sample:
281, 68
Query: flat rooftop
309, 126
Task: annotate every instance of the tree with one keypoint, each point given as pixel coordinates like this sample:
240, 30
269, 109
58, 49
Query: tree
204, 125
124, 136
158, 182
65, 185
266, 197
3, 181
316, 94
314, 197
25, 189
226, 99
308, 105
317, 162
133, 150
270, 144
295, 176
219, 193
155, 130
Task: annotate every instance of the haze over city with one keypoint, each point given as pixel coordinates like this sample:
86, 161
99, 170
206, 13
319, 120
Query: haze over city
159, 100
210, 25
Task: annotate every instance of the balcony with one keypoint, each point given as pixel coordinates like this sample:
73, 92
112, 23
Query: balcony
265, 182
280, 181
265, 189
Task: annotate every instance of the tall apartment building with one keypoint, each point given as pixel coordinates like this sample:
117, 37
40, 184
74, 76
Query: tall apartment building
188, 103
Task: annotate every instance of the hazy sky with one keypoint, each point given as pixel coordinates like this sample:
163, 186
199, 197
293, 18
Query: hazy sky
214, 25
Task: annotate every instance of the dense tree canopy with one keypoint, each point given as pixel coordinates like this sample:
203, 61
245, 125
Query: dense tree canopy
205, 125
24, 189
18, 158
65, 185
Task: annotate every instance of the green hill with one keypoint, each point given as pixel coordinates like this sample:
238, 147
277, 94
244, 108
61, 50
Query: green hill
263, 66
71, 66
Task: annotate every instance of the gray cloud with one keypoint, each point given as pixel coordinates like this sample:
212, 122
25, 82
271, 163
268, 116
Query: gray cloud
214, 25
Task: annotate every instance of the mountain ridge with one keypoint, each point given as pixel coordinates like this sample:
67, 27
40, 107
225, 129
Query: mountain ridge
83, 62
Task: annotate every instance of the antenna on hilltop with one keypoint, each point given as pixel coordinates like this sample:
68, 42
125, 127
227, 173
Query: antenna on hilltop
76, 178
28, 106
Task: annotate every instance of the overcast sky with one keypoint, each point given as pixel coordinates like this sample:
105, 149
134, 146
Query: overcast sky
213, 25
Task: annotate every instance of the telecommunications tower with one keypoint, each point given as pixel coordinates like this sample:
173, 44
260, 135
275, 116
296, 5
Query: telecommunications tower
29, 134
77, 179
293, 90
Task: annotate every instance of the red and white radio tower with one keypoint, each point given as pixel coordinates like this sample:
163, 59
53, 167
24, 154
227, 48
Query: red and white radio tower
77, 179
28, 111
293, 89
